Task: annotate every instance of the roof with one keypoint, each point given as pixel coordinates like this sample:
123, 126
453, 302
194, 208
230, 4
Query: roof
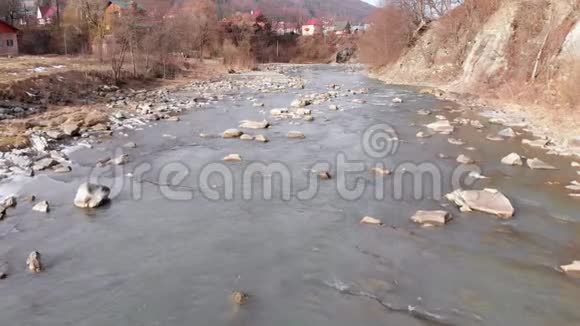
7, 28
313, 21
124, 4
47, 11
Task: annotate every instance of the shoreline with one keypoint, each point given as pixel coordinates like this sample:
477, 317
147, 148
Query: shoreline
504, 112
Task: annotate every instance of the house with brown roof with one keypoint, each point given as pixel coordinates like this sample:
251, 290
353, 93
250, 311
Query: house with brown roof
117, 9
8, 39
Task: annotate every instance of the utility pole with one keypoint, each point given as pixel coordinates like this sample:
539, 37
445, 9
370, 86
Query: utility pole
65, 44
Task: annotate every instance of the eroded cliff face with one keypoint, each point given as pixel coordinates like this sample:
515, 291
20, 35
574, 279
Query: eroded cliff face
488, 54
518, 56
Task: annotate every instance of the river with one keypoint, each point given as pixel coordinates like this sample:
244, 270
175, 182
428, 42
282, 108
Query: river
172, 255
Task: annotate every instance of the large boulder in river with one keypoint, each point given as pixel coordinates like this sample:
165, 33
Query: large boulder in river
344, 55
489, 201
91, 195
537, 164
250, 124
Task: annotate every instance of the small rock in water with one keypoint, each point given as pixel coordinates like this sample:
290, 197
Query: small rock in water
91, 195
431, 218
239, 297
44, 164
476, 124
308, 118
575, 164
333, 107
464, 159
34, 262
574, 267
537, 164
397, 100
380, 171
9, 202
513, 159
536, 143
130, 145
71, 129
42, 207
30, 199
246, 137
324, 175
507, 132
494, 138
442, 127
261, 138
232, 133
370, 220
304, 112
424, 112
62, 169
120, 160
296, 135
423, 134
454, 141
299, 103
279, 111
232, 157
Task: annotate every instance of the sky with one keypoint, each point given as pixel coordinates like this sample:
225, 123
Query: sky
372, 2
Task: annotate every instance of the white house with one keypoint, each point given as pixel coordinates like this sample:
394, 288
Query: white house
312, 27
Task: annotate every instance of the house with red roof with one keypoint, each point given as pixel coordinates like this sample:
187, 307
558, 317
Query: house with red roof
8, 39
312, 27
46, 14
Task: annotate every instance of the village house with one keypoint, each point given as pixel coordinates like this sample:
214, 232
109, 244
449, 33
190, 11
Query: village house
312, 27
115, 9
8, 39
285, 28
46, 15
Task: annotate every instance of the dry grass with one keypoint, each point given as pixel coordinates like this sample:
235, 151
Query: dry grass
568, 88
524, 44
22, 67
458, 27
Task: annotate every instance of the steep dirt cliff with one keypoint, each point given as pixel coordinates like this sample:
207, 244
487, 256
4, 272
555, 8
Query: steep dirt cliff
521, 54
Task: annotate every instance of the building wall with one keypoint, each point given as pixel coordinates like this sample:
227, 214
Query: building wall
309, 30
4, 48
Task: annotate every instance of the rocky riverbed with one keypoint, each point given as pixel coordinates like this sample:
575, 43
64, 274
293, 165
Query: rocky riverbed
450, 202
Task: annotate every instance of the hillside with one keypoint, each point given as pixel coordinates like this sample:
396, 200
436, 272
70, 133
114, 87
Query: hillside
299, 10
523, 55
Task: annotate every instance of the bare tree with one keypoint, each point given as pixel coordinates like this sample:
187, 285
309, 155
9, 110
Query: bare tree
10, 10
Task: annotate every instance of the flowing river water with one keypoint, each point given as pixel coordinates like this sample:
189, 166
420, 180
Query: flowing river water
153, 259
